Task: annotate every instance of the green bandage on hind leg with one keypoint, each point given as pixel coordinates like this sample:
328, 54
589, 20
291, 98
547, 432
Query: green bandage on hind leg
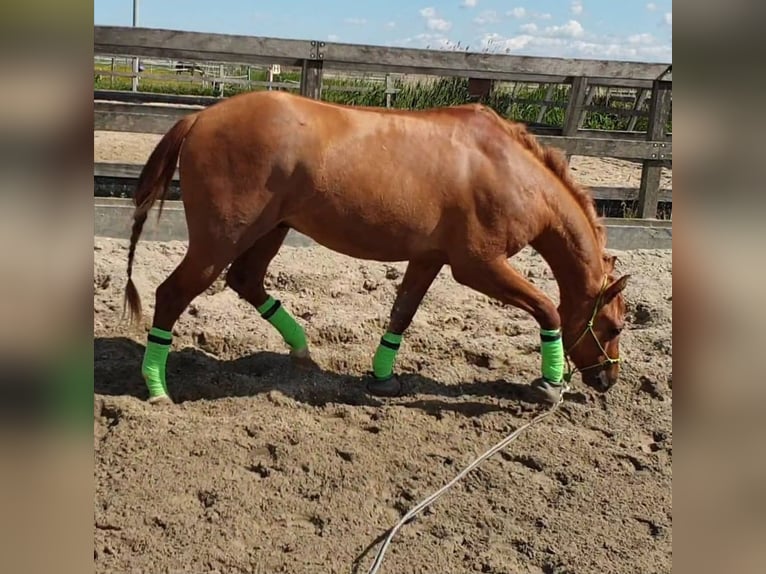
155, 358
292, 333
385, 356
552, 350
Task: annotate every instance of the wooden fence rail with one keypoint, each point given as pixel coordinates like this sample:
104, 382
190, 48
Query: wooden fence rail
652, 148
130, 172
128, 41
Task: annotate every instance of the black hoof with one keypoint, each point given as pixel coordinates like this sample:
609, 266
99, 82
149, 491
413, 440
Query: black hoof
390, 387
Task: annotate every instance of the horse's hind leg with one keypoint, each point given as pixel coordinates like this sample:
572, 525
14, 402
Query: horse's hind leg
196, 272
417, 279
246, 275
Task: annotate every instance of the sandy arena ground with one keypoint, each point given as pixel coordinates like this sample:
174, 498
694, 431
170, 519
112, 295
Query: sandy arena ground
263, 467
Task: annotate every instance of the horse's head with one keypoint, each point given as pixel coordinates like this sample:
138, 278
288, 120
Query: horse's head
591, 332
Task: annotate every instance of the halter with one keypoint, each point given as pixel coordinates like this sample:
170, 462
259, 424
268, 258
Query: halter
589, 329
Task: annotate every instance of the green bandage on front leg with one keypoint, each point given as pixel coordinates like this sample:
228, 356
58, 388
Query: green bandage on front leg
292, 333
385, 356
155, 358
552, 350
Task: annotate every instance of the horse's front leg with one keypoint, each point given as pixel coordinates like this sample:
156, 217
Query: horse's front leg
499, 280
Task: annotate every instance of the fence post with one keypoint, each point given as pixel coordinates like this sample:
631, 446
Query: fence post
311, 71
659, 112
592, 93
390, 91
479, 88
640, 99
575, 107
544, 106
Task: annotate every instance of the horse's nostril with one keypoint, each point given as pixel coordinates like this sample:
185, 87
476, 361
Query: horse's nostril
603, 380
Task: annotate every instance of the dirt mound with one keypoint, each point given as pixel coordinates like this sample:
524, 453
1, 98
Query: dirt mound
264, 467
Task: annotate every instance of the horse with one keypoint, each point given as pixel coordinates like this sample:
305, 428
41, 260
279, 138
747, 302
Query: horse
452, 186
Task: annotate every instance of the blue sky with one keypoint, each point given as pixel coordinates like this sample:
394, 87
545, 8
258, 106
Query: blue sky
604, 29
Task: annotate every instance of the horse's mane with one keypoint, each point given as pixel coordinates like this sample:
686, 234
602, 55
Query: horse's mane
555, 161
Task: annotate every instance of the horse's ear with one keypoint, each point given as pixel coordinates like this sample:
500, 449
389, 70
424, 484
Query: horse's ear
615, 288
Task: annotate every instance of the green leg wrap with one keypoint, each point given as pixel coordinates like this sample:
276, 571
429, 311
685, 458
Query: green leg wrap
385, 356
155, 357
292, 333
552, 350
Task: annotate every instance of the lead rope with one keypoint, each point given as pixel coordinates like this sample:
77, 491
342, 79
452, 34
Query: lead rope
436, 495
502, 444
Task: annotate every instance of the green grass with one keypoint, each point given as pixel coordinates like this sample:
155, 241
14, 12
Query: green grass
169, 82
524, 106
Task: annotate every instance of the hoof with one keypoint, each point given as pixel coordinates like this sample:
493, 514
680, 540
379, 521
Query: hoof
160, 400
390, 387
548, 392
300, 353
302, 358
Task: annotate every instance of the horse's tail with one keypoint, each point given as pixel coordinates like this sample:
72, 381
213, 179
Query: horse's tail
153, 182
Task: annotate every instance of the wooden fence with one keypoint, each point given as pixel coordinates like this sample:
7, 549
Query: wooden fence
131, 112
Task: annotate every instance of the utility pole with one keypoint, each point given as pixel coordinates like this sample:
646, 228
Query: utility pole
135, 60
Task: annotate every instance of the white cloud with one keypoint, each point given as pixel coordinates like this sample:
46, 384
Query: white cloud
571, 39
470, 3
487, 17
652, 7
355, 21
432, 41
538, 36
520, 13
390, 25
640, 48
439, 24
333, 37
644, 38
434, 22
572, 29
496, 42
577, 7
669, 18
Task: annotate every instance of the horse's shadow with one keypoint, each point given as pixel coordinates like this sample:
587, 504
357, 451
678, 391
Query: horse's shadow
193, 375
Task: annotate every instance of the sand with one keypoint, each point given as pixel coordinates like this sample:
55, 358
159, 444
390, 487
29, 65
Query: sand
264, 467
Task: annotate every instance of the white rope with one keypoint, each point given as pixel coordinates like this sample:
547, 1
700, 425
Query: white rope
436, 495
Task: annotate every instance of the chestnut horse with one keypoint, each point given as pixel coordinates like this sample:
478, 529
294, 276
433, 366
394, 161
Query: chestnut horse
456, 186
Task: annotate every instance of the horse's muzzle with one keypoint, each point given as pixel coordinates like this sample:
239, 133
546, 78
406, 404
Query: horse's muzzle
602, 379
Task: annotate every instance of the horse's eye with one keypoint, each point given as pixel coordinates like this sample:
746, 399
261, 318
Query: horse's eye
616, 332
